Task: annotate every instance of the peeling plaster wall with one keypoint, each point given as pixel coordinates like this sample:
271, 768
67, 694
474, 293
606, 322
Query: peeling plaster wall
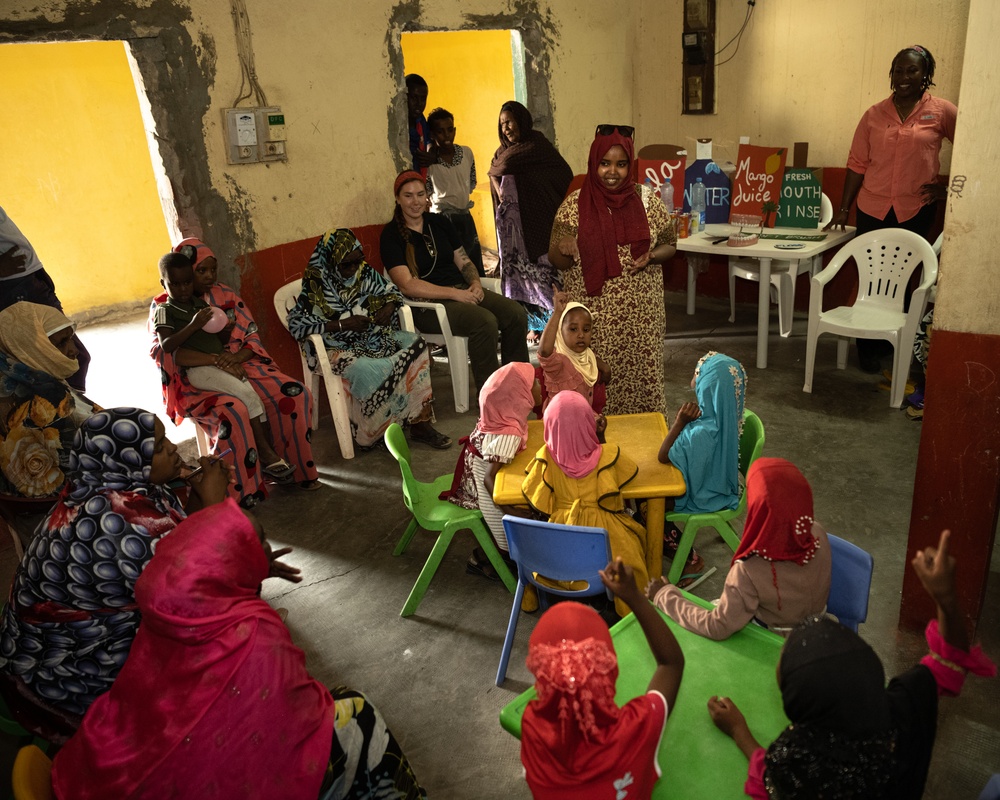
340, 93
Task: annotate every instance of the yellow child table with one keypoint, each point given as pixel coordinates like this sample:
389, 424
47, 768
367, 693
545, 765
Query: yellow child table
639, 436
697, 759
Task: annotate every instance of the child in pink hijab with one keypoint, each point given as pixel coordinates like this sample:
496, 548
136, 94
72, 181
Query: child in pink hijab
576, 480
505, 402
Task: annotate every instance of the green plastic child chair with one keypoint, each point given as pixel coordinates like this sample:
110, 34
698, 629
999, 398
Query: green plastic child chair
751, 446
433, 514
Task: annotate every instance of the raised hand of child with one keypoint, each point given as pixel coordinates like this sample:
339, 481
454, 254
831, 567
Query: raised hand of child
559, 301
201, 317
688, 412
936, 569
619, 578
12, 262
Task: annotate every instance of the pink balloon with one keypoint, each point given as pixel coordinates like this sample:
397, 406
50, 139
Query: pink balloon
218, 321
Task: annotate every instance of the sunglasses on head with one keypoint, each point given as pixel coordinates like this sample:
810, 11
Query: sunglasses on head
607, 130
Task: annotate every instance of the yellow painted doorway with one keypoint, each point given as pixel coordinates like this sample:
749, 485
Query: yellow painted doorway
78, 178
470, 73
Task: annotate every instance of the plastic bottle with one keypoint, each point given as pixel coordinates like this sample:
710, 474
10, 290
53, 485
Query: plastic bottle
667, 195
698, 204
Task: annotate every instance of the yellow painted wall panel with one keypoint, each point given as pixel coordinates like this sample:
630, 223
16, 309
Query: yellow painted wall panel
82, 187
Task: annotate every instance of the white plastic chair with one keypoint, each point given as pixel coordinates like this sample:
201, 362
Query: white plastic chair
336, 392
783, 275
458, 346
885, 259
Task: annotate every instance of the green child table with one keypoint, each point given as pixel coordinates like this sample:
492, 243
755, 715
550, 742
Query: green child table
697, 759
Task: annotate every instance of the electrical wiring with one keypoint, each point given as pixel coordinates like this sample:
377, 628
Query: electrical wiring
244, 51
738, 38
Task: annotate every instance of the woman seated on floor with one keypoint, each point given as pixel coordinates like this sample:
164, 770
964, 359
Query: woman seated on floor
781, 572
354, 309
225, 418
215, 682
39, 410
71, 617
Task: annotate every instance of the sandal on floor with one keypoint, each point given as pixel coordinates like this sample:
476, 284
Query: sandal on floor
430, 437
310, 486
484, 569
280, 471
687, 579
695, 564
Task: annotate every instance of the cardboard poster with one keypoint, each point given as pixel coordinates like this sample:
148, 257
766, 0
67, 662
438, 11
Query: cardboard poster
661, 163
716, 189
757, 183
800, 199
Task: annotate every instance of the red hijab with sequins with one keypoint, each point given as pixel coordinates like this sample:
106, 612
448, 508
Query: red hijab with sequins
779, 513
609, 218
573, 659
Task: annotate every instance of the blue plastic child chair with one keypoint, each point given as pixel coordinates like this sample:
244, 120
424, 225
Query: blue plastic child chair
850, 582
554, 553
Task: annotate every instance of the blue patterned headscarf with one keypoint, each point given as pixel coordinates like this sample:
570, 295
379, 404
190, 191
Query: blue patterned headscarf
113, 450
73, 613
707, 452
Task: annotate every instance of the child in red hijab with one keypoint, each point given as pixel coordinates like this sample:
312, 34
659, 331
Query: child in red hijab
575, 740
781, 572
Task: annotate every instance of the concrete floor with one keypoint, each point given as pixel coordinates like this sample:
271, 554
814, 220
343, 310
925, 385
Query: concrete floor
433, 674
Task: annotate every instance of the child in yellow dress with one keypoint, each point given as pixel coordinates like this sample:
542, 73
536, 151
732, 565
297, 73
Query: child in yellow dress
576, 480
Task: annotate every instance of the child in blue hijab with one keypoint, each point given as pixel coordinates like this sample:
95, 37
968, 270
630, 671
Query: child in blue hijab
704, 443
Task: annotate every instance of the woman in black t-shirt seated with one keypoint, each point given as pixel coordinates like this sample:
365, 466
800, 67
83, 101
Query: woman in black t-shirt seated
423, 254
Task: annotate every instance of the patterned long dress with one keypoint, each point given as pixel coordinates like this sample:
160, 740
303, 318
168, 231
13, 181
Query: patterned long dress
225, 418
387, 370
629, 316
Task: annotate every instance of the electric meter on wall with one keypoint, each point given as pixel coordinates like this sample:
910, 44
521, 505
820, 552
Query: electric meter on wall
255, 134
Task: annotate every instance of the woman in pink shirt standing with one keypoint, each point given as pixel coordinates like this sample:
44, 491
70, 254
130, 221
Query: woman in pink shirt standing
894, 161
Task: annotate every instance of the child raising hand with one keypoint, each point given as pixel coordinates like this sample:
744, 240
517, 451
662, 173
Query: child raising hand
575, 740
566, 358
834, 693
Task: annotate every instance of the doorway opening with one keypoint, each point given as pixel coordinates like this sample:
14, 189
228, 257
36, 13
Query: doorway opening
471, 73
89, 190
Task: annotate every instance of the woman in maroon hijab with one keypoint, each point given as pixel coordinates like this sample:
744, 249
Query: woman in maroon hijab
609, 239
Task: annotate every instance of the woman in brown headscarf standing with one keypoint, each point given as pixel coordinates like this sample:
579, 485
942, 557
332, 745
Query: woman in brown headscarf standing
528, 180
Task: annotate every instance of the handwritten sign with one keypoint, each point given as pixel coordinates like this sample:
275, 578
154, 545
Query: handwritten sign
716, 189
662, 163
757, 184
800, 199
